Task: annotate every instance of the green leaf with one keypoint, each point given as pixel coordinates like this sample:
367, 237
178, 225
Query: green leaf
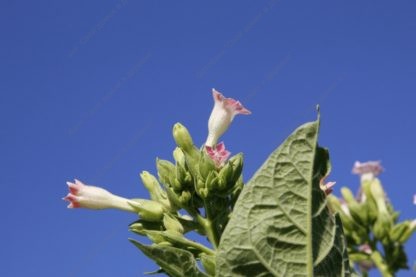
281, 225
174, 261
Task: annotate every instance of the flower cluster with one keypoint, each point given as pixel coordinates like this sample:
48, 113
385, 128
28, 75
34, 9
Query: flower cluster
369, 220
203, 182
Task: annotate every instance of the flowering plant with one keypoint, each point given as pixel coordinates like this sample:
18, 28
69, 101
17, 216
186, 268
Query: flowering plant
283, 222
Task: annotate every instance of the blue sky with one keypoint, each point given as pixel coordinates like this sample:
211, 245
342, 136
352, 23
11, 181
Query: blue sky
91, 89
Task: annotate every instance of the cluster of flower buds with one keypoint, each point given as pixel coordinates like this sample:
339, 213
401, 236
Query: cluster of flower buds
204, 183
369, 220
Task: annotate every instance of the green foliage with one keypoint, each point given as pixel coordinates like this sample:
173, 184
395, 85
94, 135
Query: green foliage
281, 225
174, 261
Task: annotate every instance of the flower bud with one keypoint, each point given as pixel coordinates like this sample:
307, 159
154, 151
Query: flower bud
182, 138
382, 226
369, 202
379, 195
179, 156
148, 210
211, 181
398, 230
183, 177
237, 164
154, 188
206, 165
356, 210
166, 171
141, 227
172, 224
225, 176
185, 197
408, 232
208, 262
157, 237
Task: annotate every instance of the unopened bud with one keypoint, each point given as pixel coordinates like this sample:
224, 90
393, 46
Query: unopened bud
237, 162
408, 232
211, 181
398, 230
179, 156
208, 261
356, 210
379, 195
382, 226
182, 137
185, 197
154, 188
206, 165
166, 171
172, 224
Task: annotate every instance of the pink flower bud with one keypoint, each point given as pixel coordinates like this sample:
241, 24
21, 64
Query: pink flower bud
221, 116
91, 197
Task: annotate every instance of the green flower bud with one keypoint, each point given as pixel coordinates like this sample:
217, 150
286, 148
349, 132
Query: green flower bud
179, 156
237, 162
203, 193
226, 174
182, 137
369, 202
143, 226
166, 171
157, 237
208, 262
211, 181
205, 165
408, 232
185, 197
334, 204
182, 176
200, 184
356, 210
382, 226
398, 231
148, 210
138, 228
238, 187
173, 199
172, 224
155, 190
379, 196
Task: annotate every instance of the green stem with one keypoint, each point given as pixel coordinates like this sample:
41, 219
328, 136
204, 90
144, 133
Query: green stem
381, 264
200, 247
206, 224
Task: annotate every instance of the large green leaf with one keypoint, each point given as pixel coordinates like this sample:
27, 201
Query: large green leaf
281, 225
174, 261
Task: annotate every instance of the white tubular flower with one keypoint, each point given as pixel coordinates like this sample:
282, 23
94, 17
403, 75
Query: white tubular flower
221, 116
96, 198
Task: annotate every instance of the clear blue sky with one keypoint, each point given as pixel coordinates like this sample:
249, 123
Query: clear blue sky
91, 89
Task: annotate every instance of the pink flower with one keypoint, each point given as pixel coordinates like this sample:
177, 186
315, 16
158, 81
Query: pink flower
371, 167
91, 197
221, 116
218, 153
327, 187
414, 199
